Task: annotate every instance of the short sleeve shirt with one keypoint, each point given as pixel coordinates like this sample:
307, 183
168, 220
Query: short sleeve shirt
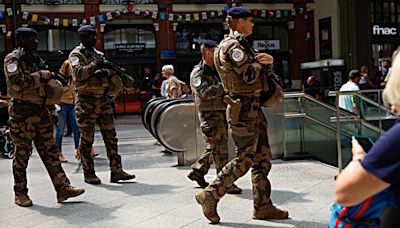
383, 160
346, 101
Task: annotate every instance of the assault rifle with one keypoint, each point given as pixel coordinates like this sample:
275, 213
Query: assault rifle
127, 79
43, 65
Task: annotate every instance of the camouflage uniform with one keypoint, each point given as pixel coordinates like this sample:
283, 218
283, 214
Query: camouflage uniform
93, 107
243, 79
30, 119
207, 91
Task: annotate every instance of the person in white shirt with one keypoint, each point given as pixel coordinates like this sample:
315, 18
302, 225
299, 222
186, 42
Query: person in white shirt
349, 101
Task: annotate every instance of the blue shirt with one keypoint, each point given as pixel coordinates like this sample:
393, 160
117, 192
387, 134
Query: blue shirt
383, 159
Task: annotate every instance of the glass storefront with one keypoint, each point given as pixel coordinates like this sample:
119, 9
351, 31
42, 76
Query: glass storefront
135, 50
188, 40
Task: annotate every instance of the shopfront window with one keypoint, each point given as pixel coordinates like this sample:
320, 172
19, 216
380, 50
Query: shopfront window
189, 37
385, 11
54, 2
57, 40
268, 37
130, 41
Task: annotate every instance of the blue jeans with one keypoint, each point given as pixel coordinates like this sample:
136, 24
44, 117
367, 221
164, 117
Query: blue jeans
67, 115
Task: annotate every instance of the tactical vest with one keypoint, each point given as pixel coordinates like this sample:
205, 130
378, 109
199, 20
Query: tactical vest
205, 105
38, 92
91, 85
232, 81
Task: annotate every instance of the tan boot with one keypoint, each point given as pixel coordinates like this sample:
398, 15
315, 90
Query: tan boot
92, 179
195, 176
209, 205
115, 177
23, 201
270, 213
62, 158
234, 190
69, 192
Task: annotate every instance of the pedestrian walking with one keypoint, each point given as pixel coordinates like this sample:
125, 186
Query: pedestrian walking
33, 91
94, 82
243, 80
208, 96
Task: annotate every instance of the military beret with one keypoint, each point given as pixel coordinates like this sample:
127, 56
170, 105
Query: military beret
210, 43
87, 29
239, 12
23, 31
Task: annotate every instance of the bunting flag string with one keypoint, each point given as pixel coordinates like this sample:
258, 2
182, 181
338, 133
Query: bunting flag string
155, 15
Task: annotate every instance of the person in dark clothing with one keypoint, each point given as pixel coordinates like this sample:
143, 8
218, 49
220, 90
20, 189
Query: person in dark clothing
155, 83
312, 87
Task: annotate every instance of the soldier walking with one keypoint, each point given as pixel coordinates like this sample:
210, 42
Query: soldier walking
208, 93
94, 82
33, 91
243, 79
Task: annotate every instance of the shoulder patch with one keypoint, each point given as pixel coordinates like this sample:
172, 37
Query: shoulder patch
12, 67
74, 60
197, 80
237, 55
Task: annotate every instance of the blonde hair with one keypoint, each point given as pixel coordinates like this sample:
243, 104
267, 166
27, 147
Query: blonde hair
391, 93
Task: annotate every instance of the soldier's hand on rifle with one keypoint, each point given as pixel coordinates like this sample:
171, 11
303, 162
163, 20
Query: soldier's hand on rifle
264, 58
45, 74
100, 73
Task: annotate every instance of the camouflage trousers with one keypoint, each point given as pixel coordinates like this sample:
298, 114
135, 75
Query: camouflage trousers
252, 150
89, 111
33, 122
215, 131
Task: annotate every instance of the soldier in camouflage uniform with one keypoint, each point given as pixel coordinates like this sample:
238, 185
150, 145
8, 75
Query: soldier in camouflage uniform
243, 79
33, 91
94, 82
208, 92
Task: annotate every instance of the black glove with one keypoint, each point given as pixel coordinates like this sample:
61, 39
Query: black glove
100, 73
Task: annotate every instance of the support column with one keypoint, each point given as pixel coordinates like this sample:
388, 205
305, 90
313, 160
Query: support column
299, 42
92, 9
165, 36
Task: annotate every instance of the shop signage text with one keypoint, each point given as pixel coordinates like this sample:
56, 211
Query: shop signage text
130, 48
266, 45
388, 30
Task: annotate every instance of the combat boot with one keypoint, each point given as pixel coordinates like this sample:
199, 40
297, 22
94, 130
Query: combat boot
209, 205
270, 213
69, 192
23, 201
195, 176
234, 190
92, 179
115, 177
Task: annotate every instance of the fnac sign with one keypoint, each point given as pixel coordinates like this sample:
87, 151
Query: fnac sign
385, 30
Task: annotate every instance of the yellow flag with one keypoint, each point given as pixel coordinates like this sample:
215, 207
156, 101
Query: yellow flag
34, 17
65, 22
196, 17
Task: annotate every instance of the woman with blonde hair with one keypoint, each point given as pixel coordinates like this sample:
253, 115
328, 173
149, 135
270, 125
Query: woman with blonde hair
369, 174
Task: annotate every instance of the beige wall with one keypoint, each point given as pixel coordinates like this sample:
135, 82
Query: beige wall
324, 9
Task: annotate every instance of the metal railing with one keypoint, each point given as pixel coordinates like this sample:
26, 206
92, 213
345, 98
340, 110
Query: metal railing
341, 116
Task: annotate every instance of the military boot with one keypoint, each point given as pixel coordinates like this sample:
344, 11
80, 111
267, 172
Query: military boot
23, 201
115, 177
234, 190
69, 192
270, 213
92, 179
195, 176
209, 205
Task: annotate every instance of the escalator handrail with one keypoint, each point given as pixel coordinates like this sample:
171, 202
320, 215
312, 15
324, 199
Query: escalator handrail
363, 122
